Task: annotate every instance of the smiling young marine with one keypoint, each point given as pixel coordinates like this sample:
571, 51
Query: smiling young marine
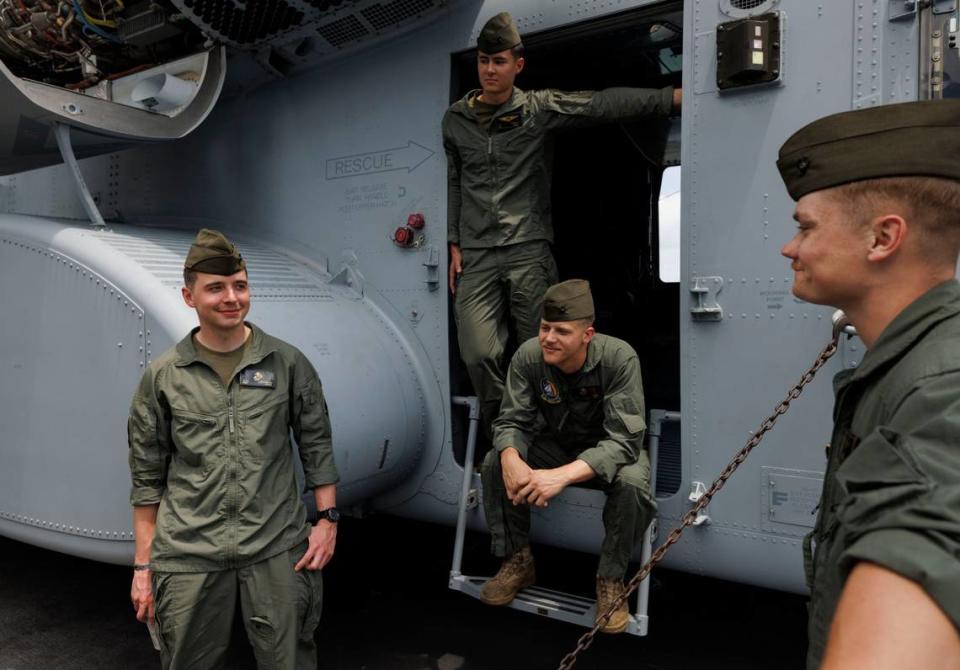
572, 413
218, 518
878, 216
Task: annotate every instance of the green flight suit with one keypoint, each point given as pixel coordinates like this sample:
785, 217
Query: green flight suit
499, 212
281, 609
219, 462
595, 415
891, 493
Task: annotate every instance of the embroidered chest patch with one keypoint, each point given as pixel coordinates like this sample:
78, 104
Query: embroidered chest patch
549, 392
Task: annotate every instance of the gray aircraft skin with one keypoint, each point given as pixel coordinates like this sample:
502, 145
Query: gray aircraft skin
310, 144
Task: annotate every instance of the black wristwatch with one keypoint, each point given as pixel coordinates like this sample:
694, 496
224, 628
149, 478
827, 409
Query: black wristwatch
331, 514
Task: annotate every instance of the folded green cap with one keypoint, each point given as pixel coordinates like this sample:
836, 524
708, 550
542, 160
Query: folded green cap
498, 34
568, 301
910, 139
213, 253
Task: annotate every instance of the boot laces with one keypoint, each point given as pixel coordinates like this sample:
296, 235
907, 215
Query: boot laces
513, 565
609, 589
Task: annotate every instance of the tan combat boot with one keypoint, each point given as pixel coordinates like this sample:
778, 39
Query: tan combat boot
515, 573
608, 588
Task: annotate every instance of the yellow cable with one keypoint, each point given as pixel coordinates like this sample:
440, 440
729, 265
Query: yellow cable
98, 22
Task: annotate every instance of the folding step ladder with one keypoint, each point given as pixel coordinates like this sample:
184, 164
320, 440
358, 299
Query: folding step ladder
535, 599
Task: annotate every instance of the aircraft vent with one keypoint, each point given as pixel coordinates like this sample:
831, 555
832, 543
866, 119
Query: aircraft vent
242, 24
272, 275
367, 20
743, 8
343, 31
669, 473
387, 14
341, 23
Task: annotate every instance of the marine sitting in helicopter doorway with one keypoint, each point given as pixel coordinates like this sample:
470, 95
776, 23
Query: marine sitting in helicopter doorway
588, 390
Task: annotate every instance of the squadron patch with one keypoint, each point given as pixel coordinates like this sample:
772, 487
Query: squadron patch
549, 392
260, 378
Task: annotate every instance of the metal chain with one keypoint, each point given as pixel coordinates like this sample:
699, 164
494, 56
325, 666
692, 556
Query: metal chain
587, 639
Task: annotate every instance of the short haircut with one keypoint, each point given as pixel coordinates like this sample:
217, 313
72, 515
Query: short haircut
518, 51
931, 204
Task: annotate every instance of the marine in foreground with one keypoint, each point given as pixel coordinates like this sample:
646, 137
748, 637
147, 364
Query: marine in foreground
217, 512
878, 216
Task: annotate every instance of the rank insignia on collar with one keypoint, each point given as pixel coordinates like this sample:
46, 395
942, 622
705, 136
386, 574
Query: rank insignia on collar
592, 392
259, 378
549, 392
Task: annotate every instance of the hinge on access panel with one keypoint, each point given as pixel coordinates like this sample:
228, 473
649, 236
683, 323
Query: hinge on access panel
432, 266
704, 291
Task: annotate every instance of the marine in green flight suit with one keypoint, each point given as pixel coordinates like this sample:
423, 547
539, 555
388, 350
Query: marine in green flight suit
499, 145
878, 214
217, 513
572, 412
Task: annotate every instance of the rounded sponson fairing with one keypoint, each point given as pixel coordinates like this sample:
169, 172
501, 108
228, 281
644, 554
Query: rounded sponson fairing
94, 307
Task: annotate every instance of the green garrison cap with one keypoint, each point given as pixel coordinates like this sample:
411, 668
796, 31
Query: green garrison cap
568, 301
498, 34
910, 139
213, 253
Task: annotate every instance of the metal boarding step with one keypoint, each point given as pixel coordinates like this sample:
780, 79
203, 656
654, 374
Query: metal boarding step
549, 603
536, 599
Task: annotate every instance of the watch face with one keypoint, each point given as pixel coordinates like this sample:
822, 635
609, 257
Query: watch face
331, 514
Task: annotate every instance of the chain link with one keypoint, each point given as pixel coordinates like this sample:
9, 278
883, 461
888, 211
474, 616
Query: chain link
688, 519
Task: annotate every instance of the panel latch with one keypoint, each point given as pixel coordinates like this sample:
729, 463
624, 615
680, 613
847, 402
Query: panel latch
704, 291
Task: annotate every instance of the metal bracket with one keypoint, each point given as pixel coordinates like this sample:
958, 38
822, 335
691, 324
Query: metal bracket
432, 265
902, 9
62, 133
698, 490
349, 274
705, 290
944, 6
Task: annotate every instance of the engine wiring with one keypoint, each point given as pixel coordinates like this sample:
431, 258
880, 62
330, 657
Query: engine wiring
80, 44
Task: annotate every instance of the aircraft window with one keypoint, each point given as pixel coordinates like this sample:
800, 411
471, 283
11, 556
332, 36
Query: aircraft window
670, 60
669, 230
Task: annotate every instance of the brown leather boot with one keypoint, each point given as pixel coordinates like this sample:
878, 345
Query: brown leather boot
515, 573
608, 588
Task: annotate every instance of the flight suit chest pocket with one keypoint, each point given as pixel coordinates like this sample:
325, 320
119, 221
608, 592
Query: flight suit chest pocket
265, 423
585, 401
194, 435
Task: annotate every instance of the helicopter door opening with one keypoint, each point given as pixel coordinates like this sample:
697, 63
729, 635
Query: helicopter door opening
611, 182
606, 190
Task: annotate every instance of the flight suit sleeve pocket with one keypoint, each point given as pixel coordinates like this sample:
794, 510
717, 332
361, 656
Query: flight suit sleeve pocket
881, 464
629, 413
